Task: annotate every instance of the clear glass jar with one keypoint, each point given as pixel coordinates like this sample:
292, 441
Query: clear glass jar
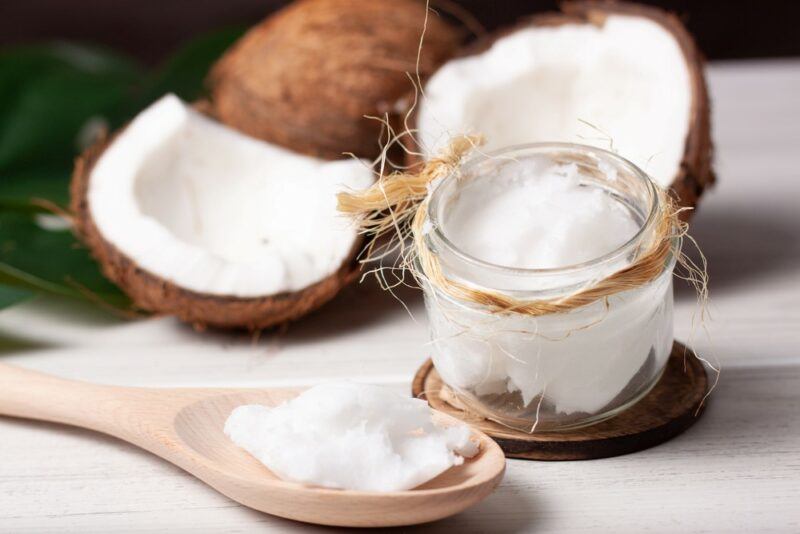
559, 371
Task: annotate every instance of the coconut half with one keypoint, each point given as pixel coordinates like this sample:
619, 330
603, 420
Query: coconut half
613, 75
314, 76
194, 219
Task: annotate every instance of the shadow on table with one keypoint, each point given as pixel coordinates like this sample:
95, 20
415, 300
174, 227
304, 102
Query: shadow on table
12, 344
358, 306
743, 245
506, 511
57, 310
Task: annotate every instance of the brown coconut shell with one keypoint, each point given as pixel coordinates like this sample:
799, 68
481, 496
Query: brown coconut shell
153, 293
307, 76
696, 172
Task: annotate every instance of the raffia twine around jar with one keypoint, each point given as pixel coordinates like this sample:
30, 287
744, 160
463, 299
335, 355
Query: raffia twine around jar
398, 203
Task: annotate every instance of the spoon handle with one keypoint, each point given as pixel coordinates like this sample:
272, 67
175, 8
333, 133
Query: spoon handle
138, 415
33, 395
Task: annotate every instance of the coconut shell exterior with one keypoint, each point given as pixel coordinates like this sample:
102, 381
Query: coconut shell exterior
153, 293
696, 172
306, 77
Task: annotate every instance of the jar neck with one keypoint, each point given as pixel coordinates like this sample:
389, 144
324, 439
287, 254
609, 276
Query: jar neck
617, 177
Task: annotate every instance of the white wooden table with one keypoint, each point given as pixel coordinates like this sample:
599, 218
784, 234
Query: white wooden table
736, 470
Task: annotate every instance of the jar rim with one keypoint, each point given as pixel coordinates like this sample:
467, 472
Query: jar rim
645, 227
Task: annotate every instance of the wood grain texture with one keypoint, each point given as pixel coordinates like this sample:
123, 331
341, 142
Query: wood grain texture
736, 471
185, 427
672, 406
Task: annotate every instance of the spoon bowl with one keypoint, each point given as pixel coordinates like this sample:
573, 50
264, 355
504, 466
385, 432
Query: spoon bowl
185, 427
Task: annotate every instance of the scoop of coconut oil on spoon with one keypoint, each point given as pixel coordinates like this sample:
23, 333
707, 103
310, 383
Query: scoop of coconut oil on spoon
185, 426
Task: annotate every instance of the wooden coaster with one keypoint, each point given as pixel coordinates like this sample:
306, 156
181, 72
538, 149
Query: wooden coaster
672, 406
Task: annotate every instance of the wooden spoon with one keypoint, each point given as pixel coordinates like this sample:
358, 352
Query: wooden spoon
185, 427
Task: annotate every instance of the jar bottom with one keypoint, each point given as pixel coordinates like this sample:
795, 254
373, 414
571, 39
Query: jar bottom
508, 410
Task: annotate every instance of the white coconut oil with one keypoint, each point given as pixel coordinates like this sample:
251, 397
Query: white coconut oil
543, 222
351, 436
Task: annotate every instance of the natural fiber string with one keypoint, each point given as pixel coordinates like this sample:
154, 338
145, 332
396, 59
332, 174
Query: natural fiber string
396, 198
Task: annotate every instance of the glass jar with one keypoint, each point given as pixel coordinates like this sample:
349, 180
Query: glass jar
558, 371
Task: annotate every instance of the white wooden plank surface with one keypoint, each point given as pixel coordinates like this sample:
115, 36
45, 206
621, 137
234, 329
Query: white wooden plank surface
737, 470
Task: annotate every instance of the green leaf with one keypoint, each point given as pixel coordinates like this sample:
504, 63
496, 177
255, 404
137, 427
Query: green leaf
20, 189
48, 93
34, 258
12, 295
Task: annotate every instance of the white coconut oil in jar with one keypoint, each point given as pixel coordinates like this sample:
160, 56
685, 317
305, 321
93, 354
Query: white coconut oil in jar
543, 222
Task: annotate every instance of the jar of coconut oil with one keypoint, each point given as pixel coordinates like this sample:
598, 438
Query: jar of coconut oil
541, 224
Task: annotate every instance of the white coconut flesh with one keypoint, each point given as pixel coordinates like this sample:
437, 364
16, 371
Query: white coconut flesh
216, 212
626, 81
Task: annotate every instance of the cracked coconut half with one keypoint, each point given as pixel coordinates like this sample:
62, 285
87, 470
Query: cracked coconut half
613, 75
192, 218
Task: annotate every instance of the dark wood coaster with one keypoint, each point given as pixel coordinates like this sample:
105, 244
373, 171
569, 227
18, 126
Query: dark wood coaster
672, 406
